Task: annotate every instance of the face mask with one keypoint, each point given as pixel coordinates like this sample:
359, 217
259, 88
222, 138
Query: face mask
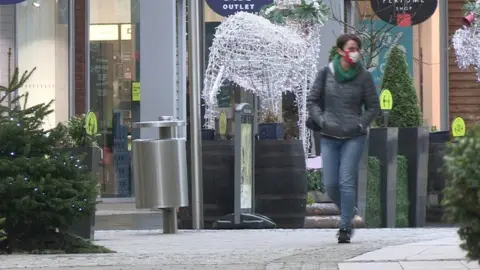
352, 57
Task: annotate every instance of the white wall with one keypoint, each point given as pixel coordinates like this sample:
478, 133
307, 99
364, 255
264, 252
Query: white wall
43, 43
110, 11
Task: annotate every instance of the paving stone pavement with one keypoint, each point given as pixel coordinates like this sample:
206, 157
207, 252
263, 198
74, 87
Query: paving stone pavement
302, 249
441, 254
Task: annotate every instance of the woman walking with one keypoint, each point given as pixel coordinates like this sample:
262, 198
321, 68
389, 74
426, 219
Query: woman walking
335, 103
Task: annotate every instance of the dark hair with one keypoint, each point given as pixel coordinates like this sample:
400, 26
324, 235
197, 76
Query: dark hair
343, 39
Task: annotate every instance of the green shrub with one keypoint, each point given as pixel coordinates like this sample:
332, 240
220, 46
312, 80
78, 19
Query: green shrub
75, 133
403, 203
332, 53
462, 193
315, 182
42, 192
406, 110
373, 218
373, 206
3, 234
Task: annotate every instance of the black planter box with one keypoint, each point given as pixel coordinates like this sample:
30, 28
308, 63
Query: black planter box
361, 184
384, 146
436, 180
85, 227
413, 144
271, 131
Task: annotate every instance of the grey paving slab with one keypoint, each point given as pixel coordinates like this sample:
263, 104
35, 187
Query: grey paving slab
472, 265
440, 253
370, 266
436, 265
248, 249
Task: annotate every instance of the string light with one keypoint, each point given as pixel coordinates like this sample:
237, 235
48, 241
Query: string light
265, 59
466, 42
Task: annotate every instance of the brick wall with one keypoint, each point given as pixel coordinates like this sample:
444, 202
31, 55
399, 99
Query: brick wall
7, 40
80, 53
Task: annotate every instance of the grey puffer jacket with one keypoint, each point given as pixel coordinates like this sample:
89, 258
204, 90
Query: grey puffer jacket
337, 107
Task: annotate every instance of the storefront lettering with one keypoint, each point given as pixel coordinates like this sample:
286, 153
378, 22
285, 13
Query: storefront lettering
239, 6
404, 12
226, 8
405, 5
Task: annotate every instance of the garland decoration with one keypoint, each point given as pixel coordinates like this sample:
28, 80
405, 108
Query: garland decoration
466, 40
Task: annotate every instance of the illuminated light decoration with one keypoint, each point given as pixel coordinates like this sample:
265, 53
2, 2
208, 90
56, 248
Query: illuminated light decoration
466, 40
266, 59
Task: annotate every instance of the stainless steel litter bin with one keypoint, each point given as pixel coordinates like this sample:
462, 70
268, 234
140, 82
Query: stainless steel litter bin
160, 170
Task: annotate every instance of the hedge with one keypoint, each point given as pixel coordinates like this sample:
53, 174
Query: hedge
373, 218
403, 204
373, 208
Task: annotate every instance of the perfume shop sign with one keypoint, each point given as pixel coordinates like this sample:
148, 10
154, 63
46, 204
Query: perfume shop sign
226, 8
10, 2
404, 12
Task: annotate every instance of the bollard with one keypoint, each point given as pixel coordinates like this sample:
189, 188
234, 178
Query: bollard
160, 171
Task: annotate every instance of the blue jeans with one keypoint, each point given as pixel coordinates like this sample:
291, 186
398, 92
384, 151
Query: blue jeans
341, 158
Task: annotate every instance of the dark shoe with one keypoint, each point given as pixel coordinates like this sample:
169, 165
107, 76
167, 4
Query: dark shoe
344, 236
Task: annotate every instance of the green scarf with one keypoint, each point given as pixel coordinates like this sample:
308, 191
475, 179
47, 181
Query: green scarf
345, 75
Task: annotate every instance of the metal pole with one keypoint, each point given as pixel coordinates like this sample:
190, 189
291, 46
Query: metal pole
195, 115
71, 59
444, 67
87, 56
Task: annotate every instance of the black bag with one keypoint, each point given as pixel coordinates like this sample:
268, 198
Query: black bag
310, 123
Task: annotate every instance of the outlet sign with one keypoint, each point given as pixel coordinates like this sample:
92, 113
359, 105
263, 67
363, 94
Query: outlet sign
404, 12
10, 2
226, 8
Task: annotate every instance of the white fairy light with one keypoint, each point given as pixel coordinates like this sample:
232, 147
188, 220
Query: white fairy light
265, 59
466, 42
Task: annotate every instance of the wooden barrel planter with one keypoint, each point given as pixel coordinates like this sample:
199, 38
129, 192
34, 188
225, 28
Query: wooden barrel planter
281, 182
436, 180
218, 185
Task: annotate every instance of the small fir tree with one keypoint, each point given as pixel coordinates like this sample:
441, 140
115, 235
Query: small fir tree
42, 191
405, 110
332, 53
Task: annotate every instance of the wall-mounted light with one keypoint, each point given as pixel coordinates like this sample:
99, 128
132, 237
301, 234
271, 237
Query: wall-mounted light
36, 3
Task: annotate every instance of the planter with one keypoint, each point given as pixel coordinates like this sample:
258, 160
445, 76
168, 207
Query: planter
281, 182
436, 181
218, 183
413, 144
383, 146
208, 134
271, 131
85, 227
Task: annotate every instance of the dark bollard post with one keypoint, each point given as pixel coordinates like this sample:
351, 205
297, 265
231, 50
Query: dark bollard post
384, 146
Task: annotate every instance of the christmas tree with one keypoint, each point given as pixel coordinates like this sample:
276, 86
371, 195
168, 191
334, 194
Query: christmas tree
405, 111
42, 190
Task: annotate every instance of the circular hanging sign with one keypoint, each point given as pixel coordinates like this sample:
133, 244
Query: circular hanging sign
10, 2
404, 12
91, 125
226, 8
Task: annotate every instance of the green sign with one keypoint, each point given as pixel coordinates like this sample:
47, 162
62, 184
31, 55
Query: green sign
386, 100
91, 125
222, 123
135, 91
458, 127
